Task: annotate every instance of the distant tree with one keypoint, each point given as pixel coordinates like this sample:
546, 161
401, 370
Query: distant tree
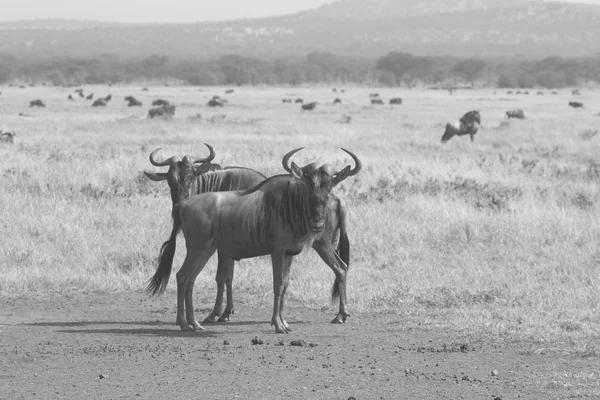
469, 70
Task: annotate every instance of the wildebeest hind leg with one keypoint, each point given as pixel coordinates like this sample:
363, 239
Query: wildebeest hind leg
327, 253
195, 260
224, 270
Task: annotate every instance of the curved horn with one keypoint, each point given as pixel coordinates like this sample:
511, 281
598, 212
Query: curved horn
198, 160
286, 159
357, 162
165, 163
347, 171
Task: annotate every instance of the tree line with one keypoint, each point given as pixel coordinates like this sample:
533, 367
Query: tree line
393, 69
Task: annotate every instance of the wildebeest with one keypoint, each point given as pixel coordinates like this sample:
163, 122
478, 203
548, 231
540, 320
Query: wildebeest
337, 100
377, 100
468, 124
286, 100
145, 89
346, 119
575, 104
36, 103
70, 98
186, 179
107, 98
509, 92
78, 90
516, 113
309, 106
81, 94
540, 93
334, 90
373, 94
576, 92
7, 137
299, 100
228, 91
215, 102
277, 217
99, 103
165, 111
395, 100
160, 102
132, 101
90, 96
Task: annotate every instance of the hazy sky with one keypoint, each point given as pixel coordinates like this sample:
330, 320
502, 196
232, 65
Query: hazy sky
158, 10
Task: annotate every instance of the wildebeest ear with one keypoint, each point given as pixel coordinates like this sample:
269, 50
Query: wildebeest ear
202, 168
296, 171
341, 175
156, 177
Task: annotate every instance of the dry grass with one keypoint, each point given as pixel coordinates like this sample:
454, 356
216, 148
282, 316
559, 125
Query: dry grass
499, 237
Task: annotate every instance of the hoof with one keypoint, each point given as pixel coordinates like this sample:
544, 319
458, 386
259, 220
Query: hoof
211, 319
224, 318
340, 319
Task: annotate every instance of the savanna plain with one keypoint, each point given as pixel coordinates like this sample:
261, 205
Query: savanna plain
474, 267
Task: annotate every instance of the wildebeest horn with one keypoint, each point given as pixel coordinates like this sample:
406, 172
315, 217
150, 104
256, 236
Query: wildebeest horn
286, 159
198, 160
346, 172
165, 163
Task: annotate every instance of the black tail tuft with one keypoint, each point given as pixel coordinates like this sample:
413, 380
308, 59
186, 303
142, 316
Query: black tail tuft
158, 282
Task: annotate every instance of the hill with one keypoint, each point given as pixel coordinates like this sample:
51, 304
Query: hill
366, 28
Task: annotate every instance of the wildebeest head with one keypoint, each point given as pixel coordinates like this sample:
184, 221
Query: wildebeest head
471, 118
319, 181
181, 174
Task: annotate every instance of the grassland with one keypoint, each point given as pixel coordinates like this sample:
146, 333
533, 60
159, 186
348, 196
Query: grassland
497, 237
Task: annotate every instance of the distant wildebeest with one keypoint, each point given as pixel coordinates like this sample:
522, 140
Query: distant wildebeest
509, 92
107, 98
279, 217
334, 90
518, 92
228, 91
540, 93
395, 100
22, 86
80, 90
164, 111
575, 104
145, 89
526, 92
99, 103
186, 178
298, 100
215, 102
7, 137
377, 100
286, 100
309, 106
373, 94
576, 92
90, 96
36, 103
516, 113
337, 100
70, 97
554, 92
132, 101
160, 102
81, 94
346, 119
468, 124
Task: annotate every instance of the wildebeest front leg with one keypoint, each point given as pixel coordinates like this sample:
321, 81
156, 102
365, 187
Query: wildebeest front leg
278, 260
224, 276
195, 260
326, 251
287, 263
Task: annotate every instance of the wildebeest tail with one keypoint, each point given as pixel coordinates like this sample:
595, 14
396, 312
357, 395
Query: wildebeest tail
158, 282
343, 250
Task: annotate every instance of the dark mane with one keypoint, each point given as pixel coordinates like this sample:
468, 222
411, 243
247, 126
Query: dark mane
228, 179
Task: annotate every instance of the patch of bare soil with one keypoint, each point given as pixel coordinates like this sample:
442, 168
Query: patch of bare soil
125, 346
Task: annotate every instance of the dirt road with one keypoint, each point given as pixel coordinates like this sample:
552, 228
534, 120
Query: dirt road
125, 346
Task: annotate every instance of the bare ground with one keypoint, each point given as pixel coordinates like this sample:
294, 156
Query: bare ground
125, 345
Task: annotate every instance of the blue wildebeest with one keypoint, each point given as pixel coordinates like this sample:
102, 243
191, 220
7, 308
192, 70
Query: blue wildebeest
575, 104
308, 106
36, 103
132, 101
164, 111
277, 217
468, 124
7, 137
186, 179
516, 113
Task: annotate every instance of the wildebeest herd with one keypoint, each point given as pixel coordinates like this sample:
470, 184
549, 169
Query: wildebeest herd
240, 213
